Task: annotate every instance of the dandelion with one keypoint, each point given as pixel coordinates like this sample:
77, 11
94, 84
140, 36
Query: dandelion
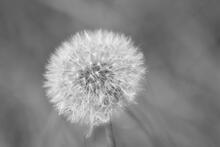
94, 75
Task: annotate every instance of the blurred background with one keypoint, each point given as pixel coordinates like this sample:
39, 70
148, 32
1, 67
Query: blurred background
179, 105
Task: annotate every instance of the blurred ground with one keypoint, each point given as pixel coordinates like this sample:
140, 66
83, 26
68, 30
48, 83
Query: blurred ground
180, 102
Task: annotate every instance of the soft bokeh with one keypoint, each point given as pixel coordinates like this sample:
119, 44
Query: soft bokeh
179, 105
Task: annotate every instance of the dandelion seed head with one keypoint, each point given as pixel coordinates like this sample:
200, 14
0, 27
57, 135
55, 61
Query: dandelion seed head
93, 75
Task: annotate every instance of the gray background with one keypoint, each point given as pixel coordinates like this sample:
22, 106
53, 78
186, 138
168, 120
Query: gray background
179, 103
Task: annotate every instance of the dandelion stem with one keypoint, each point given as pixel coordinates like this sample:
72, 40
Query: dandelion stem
84, 141
110, 135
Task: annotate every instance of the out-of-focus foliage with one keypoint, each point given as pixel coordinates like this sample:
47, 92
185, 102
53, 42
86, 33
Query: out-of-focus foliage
179, 104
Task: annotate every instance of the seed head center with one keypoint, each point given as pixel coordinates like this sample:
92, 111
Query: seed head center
94, 77
97, 79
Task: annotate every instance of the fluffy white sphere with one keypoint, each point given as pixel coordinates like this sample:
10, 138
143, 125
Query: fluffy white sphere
93, 75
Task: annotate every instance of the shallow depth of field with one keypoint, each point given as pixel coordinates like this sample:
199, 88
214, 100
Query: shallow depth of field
179, 105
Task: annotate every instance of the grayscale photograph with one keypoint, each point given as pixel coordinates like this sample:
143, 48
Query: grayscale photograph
109, 73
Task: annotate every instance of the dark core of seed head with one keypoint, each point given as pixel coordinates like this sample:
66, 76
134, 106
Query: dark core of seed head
93, 79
